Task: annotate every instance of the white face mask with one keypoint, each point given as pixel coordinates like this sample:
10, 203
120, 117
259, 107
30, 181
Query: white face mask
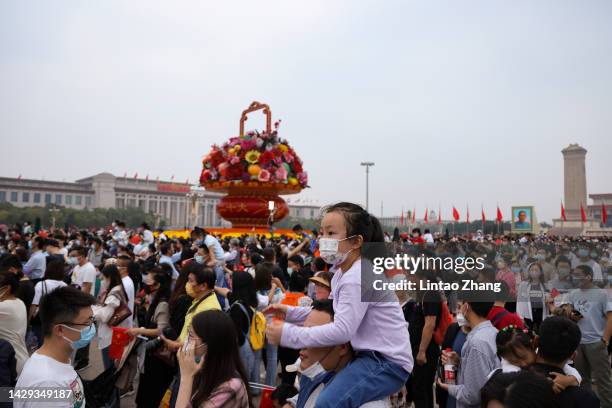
461, 321
312, 371
328, 250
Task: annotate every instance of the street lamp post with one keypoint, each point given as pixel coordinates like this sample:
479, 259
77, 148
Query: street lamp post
53, 211
367, 166
193, 198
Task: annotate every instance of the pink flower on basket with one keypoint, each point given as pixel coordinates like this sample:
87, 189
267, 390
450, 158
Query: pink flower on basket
248, 144
264, 176
303, 178
288, 157
281, 174
235, 160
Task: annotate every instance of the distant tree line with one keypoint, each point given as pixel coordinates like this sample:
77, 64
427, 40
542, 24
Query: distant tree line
42, 217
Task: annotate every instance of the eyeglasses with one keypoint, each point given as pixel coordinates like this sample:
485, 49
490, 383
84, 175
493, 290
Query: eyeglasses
89, 323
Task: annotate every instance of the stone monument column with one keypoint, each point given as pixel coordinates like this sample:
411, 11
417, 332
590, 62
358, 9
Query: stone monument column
574, 181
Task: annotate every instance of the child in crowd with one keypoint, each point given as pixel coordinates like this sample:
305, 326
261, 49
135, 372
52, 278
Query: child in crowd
516, 349
382, 363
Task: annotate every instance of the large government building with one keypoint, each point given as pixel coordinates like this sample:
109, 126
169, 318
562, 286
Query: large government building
179, 204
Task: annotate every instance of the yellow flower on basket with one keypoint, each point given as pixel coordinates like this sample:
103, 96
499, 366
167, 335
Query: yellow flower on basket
283, 147
252, 156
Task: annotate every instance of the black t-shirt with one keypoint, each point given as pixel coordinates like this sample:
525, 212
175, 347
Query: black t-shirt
415, 312
26, 292
571, 397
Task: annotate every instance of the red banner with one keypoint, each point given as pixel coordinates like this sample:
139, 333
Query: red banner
173, 188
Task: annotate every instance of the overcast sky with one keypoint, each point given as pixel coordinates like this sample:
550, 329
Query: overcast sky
457, 102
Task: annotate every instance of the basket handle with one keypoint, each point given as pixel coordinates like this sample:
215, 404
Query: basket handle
253, 107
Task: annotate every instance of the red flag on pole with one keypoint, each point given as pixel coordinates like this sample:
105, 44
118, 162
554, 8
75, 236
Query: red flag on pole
439, 216
582, 213
499, 217
135, 175
402, 217
455, 214
484, 218
426, 215
467, 213
414, 215
563, 217
604, 214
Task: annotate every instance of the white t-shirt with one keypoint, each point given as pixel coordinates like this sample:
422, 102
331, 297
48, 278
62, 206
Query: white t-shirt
147, 237
44, 287
128, 284
13, 327
85, 274
43, 371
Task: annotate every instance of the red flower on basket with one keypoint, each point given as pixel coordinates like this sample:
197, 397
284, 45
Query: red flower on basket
262, 157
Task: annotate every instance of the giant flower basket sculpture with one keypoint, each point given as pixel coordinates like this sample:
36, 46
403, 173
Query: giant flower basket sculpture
253, 169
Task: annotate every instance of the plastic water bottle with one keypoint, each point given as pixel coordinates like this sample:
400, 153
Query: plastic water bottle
450, 371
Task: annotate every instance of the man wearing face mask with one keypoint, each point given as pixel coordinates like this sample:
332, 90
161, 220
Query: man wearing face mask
83, 272
561, 282
547, 268
455, 337
319, 365
67, 325
478, 354
584, 258
595, 322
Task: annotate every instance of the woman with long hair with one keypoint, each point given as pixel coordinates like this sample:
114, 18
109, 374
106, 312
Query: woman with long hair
243, 302
113, 294
531, 297
212, 374
180, 300
159, 363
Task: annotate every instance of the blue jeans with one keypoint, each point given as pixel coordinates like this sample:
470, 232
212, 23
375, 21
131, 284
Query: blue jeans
250, 361
220, 282
369, 377
271, 362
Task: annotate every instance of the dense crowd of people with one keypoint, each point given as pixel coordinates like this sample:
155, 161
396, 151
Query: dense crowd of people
228, 321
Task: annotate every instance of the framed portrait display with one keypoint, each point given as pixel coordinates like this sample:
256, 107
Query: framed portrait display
522, 219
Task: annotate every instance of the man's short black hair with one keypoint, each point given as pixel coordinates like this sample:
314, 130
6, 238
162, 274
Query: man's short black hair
586, 269
8, 279
39, 243
11, 261
562, 259
165, 247
203, 275
324, 305
297, 259
480, 301
62, 305
82, 251
269, 254
297, 227
559, 338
